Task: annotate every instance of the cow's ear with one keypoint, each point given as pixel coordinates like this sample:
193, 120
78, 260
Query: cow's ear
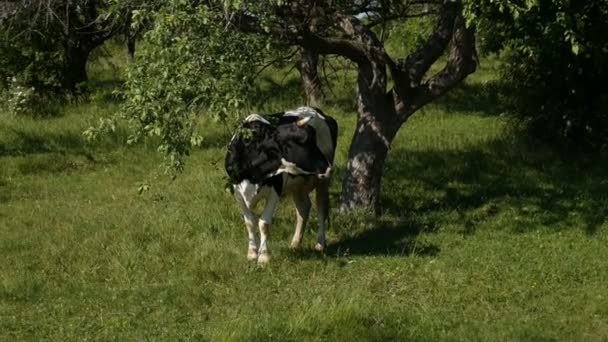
303, 122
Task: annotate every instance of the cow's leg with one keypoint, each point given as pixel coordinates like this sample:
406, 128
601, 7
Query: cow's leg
252, 250
251, 222
302, 202
264, 224
322, 199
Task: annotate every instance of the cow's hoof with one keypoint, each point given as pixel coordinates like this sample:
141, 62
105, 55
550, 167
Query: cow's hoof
252, 254
295, 245
320, 247
264, 258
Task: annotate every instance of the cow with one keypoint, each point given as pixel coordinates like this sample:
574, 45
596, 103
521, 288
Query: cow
272, 156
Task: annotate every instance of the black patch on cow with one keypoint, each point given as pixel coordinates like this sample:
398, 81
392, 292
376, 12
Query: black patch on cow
256, 153
253, 153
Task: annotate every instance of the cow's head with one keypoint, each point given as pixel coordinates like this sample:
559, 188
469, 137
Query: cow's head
298, 145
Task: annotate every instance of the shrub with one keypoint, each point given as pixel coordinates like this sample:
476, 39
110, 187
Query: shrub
555, 55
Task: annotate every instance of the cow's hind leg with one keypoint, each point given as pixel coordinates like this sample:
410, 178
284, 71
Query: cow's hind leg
264, 224
302, 202
322, 199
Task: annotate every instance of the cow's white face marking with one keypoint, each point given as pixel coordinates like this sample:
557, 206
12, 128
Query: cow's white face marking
256, 117
317, 121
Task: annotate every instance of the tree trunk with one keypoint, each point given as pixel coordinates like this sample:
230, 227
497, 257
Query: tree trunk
130, 48
375, 130
310, 76
75, 71
366, 158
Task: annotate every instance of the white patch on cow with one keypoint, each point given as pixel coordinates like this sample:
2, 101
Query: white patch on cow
249, 193
291, 168
256, 117
317, 121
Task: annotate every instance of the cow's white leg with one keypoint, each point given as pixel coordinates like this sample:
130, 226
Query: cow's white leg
250, 222
322, 199
264, 224
252, 250
302, 202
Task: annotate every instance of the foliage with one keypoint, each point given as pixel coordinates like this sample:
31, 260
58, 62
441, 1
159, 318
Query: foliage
408, 36
555, 55
34, 59
46, 44
188, 64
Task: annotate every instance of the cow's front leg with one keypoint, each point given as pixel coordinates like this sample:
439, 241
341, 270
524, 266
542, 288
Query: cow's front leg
251, 221
302, 202
264, 224
322, 199
252, 249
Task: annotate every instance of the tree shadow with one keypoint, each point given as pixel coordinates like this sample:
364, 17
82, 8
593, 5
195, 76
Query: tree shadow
374, 237
528, 185
473, 97
28, 142
385, 239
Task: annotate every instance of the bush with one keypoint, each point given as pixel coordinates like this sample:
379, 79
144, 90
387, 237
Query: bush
22, 100
555, 55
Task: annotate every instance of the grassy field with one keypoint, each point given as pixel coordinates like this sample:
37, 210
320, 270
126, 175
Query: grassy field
485, 236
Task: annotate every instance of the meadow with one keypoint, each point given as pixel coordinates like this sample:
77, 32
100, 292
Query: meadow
485, 235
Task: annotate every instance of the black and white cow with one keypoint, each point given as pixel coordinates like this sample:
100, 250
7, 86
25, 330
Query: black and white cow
276, 155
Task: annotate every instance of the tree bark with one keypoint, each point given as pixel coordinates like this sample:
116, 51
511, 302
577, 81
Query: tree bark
309, 61
373, 135
75, 71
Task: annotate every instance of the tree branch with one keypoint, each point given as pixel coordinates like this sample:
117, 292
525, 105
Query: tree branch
415, 66
462, 61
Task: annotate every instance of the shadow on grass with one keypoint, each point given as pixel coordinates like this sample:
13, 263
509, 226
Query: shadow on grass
363, 235
527, 185
473, 97
28, 142
385, 239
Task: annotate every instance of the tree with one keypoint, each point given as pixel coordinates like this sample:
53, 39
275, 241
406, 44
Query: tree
555, 63
346, 29
65, 33
309, 72
336, 30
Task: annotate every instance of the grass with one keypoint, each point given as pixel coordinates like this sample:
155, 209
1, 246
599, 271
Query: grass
485, 236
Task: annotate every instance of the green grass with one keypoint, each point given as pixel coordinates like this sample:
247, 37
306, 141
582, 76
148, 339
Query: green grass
485, 236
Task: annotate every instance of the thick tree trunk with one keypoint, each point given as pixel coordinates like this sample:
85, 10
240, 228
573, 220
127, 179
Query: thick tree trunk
375, 130
75, 71
366, 158
310, 76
